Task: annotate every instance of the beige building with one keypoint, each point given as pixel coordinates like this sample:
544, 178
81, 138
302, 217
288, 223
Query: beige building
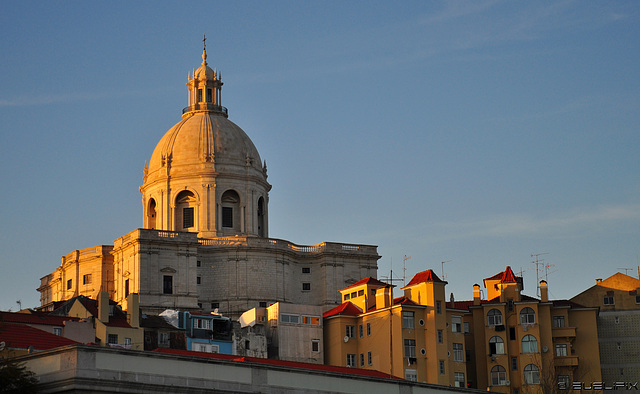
509, 342
204, 242
618, 298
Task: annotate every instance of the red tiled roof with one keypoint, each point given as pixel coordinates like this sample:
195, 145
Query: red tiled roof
507, 276
464, 305
288, 364
21, 336
35, 318
424, 276
346, 308
369, 281
403, 301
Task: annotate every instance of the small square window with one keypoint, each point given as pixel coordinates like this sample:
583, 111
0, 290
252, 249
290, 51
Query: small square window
306, 270
86, 279
200, 305
57, 331
608, 300
360, 293
263, 304
112, 338
306, 286
215, 305
315, 345
69, 284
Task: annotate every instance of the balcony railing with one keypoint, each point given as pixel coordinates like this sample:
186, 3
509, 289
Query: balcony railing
564, 332
566, 361
207, 107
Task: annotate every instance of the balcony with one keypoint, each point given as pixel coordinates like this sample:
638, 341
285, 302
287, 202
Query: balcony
566, 361
207, 107
563, 332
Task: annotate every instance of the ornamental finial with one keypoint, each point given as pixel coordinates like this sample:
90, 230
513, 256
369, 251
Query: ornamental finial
204, 50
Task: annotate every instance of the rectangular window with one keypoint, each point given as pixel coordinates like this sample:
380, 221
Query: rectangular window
57, 331
126, 288
263, 304
509, 305
198, 263
467, 329
411, 375
608, 300
167, 284
637, 298
514, 363
456, 324
410, 348
360, 293
199, 95
287, 318
247, 345
306, 270
558, 321
227, 217
561, 350
458, 352
127, 341
201, 324
306, 286
315, 345
86, 279
350, 331
408, 319
351, 360
440, 337
69, 284
209, 95
369, 358
368, 329
163, 339
441, 367
215, 305
362, 359
187, 217
198, 280
347, 297
112, 338
438, 307
354, 294
313, 320
512, 333
458, 379
360, 331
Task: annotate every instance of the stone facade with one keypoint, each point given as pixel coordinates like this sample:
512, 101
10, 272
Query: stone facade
205, 242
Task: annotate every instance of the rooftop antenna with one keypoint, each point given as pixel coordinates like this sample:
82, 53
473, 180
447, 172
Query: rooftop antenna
539, 262
404, 270
443, 263
626, 270
19, 302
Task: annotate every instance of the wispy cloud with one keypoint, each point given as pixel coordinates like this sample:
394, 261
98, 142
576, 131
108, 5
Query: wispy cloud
563, 225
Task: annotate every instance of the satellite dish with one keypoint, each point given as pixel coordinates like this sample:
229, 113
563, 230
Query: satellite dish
2, 345
346, 339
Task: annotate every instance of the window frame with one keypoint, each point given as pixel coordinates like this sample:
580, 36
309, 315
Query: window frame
458, 352
408, 320
409, 348
499, 345
458, 379
350, 331
559, 321
495, 318
561, 350
351, 360
532, 344
498, 376
527, 316
531, 374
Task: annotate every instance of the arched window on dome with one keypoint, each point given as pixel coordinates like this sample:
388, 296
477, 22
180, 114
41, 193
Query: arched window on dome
151, 214
230, 211
185, 212
261, 229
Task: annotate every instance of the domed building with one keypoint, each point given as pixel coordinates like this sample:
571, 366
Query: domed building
205, 244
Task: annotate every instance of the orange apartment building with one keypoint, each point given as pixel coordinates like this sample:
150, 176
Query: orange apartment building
508, 342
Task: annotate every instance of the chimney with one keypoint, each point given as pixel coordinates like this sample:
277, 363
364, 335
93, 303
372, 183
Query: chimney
544, 291
452, 300
133, 310
383, 295
103, 307
598, 281
476, 294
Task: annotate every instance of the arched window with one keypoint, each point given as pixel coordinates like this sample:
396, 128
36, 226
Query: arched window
531, 374
185, 211
498, 376
496, 345
529, 344
230, 210
261, 232
527, 316
494, 317
151, 214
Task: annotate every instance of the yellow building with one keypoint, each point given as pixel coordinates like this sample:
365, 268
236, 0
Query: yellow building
407, 337
618, 298
509, 342
520, 344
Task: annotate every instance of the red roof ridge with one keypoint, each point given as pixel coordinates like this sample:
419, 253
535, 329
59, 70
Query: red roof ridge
369, 280
346, 308
424, 276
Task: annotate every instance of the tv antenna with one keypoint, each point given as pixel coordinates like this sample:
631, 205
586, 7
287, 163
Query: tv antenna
443, 263
539, 266
626, 270
19, 302
404, 270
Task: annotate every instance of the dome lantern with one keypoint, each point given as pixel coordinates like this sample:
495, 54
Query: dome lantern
205, 88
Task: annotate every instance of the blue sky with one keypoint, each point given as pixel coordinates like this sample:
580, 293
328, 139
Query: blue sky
478, 132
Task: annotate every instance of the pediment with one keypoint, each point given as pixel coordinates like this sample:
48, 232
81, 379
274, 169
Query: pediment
168, 270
